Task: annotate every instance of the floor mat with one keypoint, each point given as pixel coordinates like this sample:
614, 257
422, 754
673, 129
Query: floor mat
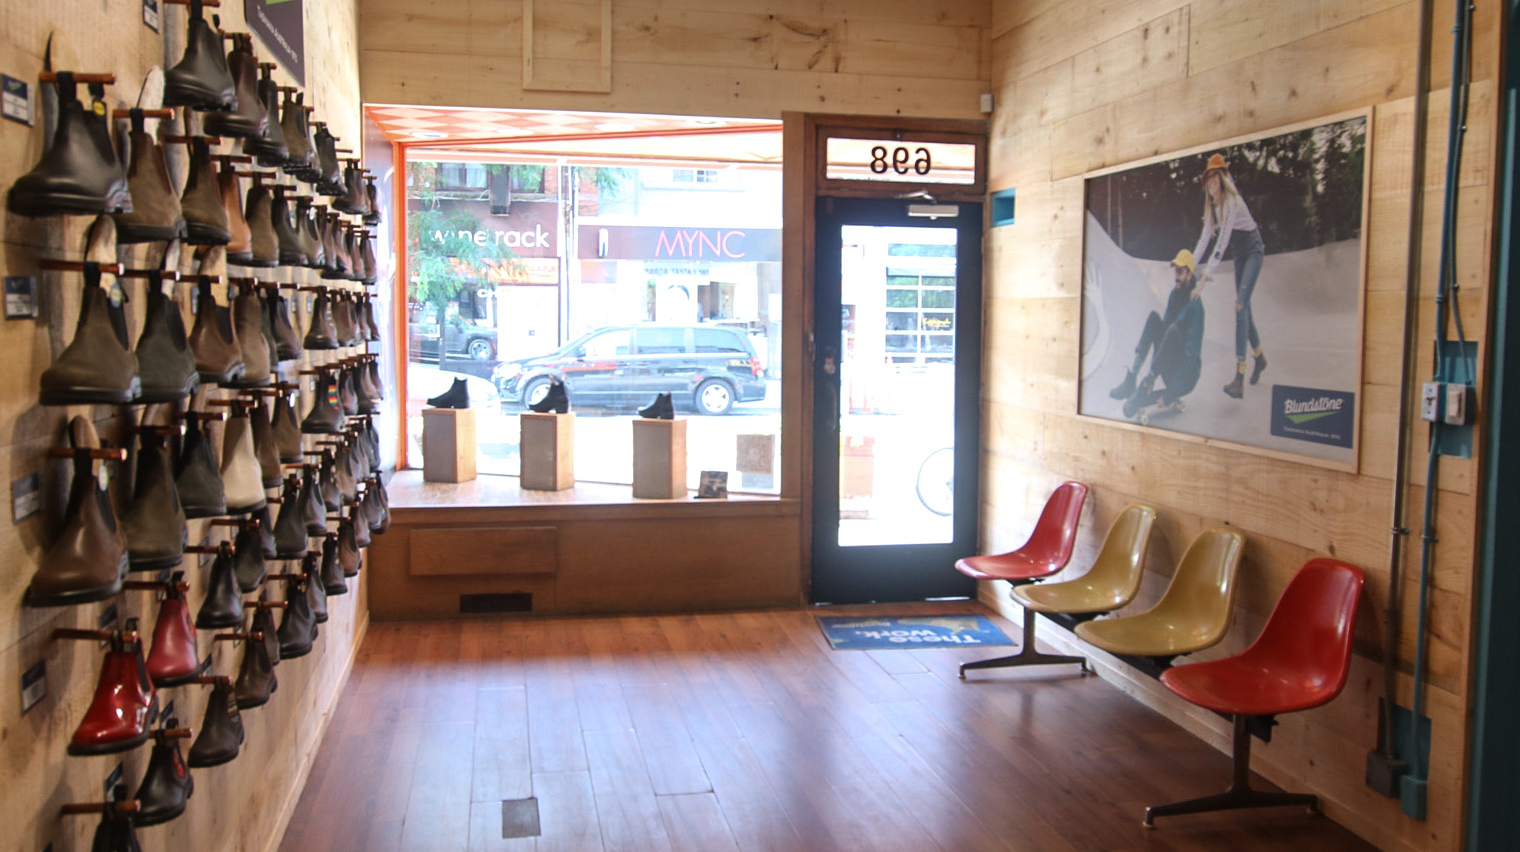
854, 632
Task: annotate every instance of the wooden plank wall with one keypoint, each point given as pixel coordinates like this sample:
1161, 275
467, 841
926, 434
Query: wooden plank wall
688, 57
1087, 84
244, 804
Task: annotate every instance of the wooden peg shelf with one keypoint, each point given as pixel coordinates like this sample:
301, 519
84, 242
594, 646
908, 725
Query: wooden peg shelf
126, 806
116, 454
94, 635
78, 266
174, 733
211, 680
155, 429
211, 550
165, 274
52, 77
186, 140
146, 113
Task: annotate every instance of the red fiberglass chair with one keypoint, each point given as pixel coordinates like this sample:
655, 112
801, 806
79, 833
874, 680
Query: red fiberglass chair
1299, 661
1046, 552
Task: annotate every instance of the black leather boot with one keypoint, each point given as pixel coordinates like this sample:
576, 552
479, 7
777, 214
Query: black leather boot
248, 120
348, 397
316, 593
313, 512
290, 541
330, 176
353, 199
348, 486
201, 80
348, 548
248, 566
256, 680
457, 396
372, 217
88, 559
324, 417
73, 176
223, 606
155, 522
298, 627
333, 580
166, 366
327, 481
556, 400
155, 206
320, 331
166, 785
196, 477
306, 230
661, 409
221, 732
292, 129
360, 523
269, 148
116, 832
264, 624
287, 342
96, 367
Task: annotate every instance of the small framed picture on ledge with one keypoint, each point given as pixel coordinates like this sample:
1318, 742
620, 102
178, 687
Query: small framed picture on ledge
713, 485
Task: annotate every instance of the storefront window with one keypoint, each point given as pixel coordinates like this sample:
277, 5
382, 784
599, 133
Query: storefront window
621, 282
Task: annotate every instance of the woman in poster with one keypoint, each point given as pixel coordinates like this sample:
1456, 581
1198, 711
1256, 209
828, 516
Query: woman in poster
1228, 224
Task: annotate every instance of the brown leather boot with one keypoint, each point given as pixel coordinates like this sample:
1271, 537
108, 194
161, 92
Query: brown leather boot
155, 208
165, 363
247, 119
154, 524
264, 246
292, 249
248, 319
95, 368
240, 236
201, 203
218, 358
287, 429
320, 332
88, 559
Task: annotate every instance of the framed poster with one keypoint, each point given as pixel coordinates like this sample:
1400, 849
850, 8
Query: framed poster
1222, 291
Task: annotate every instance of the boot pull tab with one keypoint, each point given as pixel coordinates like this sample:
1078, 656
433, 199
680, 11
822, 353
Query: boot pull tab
68, 90
136, 116
91, 274
196, 10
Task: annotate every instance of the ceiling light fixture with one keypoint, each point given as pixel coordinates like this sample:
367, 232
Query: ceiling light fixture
428, 134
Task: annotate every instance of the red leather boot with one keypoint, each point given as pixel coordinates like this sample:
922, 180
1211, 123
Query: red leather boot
175, 659
119, 715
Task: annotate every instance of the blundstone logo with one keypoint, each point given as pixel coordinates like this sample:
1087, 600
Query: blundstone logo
1316, 415
1306, 410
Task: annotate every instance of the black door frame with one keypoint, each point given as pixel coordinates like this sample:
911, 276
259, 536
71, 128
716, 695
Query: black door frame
877, 573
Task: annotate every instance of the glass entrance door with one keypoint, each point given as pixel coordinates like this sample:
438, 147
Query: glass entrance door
897, 345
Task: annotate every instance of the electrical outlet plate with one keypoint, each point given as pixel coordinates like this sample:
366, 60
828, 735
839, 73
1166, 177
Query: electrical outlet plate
1455, 411
1430, 402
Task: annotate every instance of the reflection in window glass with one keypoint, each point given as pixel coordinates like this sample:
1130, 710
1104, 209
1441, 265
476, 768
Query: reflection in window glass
597, 277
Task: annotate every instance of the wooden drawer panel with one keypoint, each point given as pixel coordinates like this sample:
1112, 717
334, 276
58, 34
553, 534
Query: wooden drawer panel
446, 551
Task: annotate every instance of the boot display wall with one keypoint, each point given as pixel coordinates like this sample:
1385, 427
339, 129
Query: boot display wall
214, 354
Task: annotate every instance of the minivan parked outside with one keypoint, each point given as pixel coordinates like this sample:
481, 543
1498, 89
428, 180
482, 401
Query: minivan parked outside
708, 367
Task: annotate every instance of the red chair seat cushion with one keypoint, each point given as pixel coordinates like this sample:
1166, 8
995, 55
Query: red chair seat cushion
1248, 687
1015, 566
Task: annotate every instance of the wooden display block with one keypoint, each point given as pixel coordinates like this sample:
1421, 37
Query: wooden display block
448, 444
659, 459
546, 446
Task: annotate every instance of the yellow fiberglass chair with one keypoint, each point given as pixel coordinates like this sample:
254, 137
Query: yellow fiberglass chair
1110, 583
1193, 614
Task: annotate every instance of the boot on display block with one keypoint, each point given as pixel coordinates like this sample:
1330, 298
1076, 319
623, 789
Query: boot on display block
555, 400
74, 175
661, 409
218, 355
88, 560
201, 203
457, 396
290, 540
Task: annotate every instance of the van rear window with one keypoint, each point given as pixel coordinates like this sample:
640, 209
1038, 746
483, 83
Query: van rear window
719, 340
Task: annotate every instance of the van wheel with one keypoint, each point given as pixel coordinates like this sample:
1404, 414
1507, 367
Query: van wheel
481, 349
714, 396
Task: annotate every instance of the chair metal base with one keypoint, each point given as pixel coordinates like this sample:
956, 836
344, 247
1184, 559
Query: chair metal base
1027, 655
1240, 794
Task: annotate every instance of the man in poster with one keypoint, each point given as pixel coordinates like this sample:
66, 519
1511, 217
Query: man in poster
1174, 343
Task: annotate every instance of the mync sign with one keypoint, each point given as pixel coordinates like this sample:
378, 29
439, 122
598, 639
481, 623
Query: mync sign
635, 242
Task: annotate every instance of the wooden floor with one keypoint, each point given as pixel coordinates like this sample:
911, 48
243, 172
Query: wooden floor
712, 733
